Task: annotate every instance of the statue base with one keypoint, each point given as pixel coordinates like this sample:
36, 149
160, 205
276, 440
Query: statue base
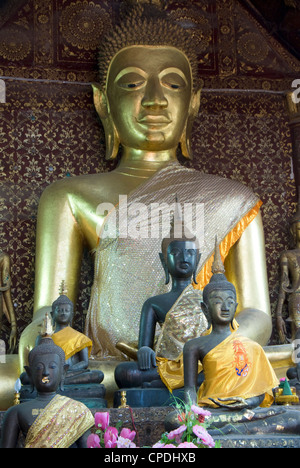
259, 441
92, 395
147, 397
149, 425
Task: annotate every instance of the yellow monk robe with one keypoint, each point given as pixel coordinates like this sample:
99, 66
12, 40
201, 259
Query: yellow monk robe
172, 372
62, 422
72, 341
237, 367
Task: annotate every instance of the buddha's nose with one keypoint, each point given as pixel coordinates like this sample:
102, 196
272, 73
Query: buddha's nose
154, 95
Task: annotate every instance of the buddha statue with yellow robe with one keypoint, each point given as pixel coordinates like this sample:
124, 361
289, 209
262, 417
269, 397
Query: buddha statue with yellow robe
49, 420
147, 97
238, 377
76, 346
236, 369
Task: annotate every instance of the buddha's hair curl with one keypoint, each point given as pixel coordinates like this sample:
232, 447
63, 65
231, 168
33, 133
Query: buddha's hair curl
146, 25
46, 346
217, 282
62, 299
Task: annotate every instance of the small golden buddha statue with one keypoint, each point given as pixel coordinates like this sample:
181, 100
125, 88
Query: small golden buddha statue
290, 283
147, 97
6, 305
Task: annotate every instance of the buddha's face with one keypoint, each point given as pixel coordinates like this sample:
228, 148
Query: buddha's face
46, 372
222, 306
149, 93
63, 314
182, 258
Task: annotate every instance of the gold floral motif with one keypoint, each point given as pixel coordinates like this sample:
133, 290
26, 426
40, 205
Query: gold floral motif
14, 44
252, 48
201, 26
82, 24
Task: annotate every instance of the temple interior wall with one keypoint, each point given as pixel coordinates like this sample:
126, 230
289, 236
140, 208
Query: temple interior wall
49, 129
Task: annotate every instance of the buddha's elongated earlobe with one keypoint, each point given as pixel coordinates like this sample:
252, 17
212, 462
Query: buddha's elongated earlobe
185, 141
163, 262
63, 377
196, 267
28, 372
112, 141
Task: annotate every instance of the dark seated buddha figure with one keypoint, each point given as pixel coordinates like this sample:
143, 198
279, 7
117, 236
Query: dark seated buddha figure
50, 420
239, 380
79, 380
158, 361
77, 346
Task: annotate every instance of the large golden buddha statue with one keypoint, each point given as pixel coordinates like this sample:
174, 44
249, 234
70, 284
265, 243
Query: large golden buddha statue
147, 98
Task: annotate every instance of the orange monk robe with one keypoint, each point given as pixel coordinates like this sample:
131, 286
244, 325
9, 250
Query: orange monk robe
72, 341
237, 367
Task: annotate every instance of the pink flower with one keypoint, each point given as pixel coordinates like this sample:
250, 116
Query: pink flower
169, 446
177, 432
187, 445
93, 441
202, 434
158, 445
198, 410
111, 437
123, 442
101, 420
127, 434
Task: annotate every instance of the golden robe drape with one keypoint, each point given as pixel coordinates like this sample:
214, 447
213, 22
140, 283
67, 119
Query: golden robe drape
62, 422
72, 341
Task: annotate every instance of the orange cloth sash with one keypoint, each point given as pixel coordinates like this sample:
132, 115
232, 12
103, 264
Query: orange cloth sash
72, 341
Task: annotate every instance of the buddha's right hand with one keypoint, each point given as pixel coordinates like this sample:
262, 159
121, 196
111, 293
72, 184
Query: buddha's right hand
146, 358
235, 402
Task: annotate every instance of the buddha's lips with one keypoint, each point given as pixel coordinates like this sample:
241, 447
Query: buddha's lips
45, 380
184, 265
225, 314
154, 120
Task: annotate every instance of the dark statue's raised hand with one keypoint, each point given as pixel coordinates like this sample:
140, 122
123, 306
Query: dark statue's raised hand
146, 358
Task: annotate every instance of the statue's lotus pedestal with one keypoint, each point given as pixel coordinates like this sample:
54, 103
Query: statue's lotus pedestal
147, 397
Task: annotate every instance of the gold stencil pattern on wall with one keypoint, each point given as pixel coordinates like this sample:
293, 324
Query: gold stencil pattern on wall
82, 24
251, 48
14, 44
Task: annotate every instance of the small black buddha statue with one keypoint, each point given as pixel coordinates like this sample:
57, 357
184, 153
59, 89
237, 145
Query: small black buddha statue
239, 380
49, 420
79, 381
77, 346
235, 367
